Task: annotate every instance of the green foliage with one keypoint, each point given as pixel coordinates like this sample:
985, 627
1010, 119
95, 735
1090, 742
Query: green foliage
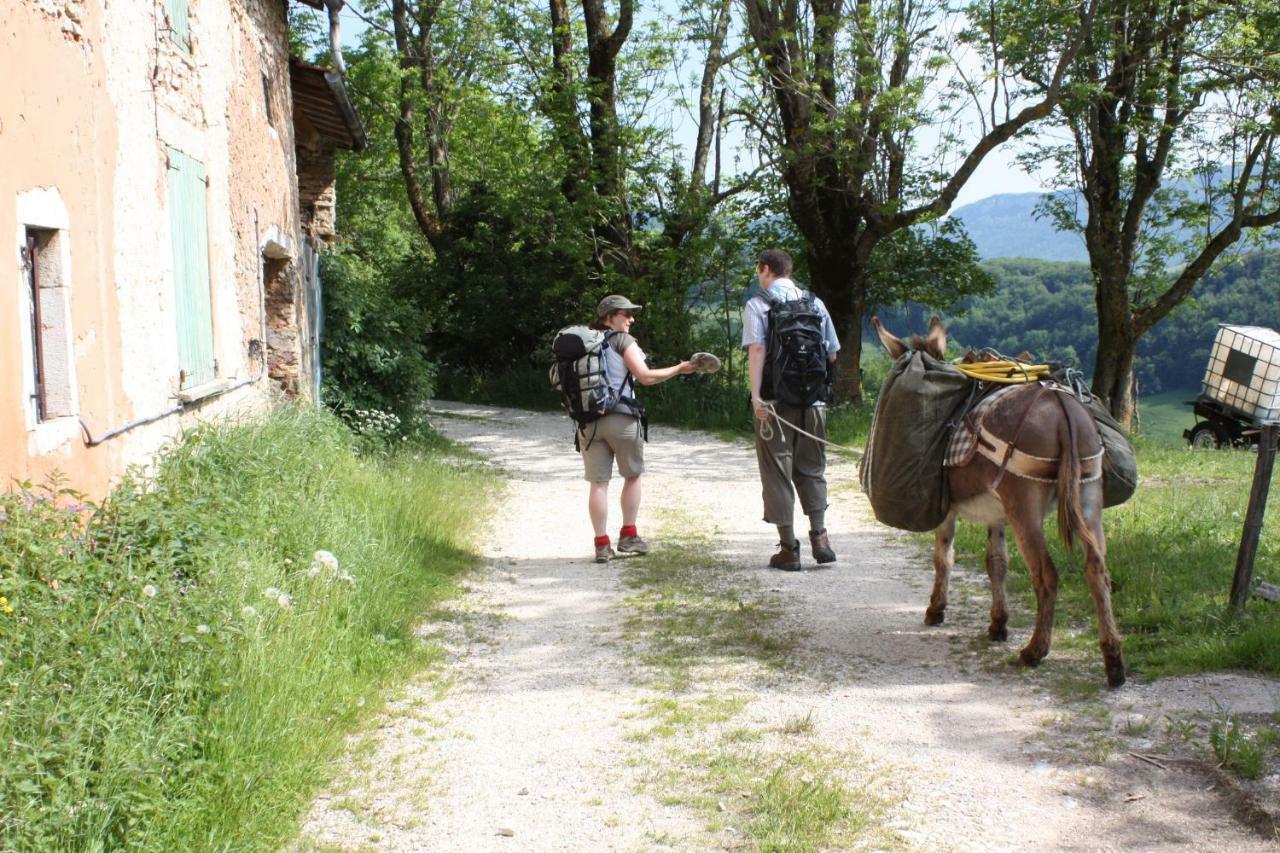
1240, 750
935, 265
178, 659
374, 355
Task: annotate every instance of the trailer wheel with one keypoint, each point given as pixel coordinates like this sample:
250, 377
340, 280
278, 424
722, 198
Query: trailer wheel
1206, 436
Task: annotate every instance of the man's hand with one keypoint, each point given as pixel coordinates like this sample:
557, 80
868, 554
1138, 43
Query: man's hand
758, 407
687, 367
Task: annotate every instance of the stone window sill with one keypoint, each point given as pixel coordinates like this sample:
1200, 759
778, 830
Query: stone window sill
187, 396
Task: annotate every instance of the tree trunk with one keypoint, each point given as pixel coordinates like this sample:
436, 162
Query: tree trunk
840, 282
1113, 376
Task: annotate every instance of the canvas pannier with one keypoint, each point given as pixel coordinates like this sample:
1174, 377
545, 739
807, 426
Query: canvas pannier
1119, 464
902, 472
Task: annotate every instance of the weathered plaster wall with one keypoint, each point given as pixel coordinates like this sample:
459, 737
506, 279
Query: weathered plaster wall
52, 127
102, 92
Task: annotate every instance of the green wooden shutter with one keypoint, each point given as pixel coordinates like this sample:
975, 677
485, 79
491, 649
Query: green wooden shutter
181, 31
189, 227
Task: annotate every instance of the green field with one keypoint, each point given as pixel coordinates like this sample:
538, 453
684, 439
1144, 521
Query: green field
1163, 417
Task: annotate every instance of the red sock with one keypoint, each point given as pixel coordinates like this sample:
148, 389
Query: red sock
628, 530
601, 541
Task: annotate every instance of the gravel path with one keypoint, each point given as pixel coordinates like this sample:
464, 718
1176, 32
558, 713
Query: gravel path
522, 742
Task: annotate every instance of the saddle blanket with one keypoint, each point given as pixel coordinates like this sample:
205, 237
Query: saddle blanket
964, 438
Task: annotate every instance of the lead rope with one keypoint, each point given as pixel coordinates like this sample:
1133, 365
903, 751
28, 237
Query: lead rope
767, 433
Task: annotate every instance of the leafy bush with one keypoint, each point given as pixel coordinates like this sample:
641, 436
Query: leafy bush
374, 355
177, 659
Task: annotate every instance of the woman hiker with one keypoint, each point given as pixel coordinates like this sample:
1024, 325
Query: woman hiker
620, 433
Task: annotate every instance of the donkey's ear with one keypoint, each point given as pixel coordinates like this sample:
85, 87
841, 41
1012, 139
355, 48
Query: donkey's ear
1024, 357
936, 342
891, 343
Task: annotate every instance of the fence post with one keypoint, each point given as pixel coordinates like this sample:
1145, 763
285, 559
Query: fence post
1253, 518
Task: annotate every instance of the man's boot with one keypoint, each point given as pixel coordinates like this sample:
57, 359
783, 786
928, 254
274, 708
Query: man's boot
821, 546
787, 558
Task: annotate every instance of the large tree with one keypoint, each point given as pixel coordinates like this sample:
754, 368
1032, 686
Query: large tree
877, 114
1173, 116
611, 168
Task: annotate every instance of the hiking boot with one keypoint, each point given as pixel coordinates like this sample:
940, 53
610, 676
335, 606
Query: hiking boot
604, 553
632, 545
787, 558
821, 546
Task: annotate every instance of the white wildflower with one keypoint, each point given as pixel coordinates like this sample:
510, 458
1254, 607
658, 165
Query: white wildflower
249, 611
347, 577
271, 592
149, 591
314, 571
202, 629
325, 559
284, 601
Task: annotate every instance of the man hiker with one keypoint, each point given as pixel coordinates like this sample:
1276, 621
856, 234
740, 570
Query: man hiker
791, 344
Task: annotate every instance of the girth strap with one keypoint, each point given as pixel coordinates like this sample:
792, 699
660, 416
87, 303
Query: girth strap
1040, 468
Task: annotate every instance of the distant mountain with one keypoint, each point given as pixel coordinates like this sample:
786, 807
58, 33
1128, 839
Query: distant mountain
1005, 226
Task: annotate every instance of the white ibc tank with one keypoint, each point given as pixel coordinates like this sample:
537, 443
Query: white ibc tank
1244, 371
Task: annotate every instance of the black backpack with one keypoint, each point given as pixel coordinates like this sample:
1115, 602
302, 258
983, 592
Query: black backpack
796, 370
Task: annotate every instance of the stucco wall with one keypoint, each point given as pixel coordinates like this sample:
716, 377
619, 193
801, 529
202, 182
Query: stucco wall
97, 94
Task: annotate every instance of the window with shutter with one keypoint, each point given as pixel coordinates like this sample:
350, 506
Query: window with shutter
188, 224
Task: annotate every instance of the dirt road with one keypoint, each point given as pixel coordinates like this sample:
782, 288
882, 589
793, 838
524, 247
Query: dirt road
554, 725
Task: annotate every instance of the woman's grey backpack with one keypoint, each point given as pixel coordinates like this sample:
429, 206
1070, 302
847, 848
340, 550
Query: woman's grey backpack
578, 373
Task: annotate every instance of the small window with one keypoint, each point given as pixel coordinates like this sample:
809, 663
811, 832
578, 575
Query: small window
49, 323
1239, 367
179, 22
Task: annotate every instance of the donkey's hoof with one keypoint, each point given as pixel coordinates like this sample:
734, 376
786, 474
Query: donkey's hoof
1115, 673
934, 617
1029, 657
997, 633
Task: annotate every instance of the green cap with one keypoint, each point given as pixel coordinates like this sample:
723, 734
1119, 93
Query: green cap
615, 302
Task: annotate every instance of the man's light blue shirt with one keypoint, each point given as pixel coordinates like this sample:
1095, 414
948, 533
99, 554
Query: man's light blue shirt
755, 315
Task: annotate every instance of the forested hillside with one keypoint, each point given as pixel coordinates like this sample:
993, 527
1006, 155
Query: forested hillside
1047, 308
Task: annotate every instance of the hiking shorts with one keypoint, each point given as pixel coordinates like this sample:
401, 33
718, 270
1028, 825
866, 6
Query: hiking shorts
613, 436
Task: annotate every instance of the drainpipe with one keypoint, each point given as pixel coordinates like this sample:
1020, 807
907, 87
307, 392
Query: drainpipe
333, 7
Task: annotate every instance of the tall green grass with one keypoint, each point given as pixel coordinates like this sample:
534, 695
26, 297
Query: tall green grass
1171, 551
180, 664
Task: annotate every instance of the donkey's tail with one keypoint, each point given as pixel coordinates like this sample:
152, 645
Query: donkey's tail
1071, 520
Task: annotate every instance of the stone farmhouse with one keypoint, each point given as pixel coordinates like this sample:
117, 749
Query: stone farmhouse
166, 181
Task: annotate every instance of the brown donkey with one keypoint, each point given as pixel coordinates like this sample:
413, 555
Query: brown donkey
1052, 430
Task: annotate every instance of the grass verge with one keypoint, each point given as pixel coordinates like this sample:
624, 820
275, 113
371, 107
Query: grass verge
181, 662
703, 635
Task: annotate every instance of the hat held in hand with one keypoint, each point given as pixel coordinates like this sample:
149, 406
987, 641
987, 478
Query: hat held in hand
705, 362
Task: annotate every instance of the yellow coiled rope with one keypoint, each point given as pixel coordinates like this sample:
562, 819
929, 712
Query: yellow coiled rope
1004, 372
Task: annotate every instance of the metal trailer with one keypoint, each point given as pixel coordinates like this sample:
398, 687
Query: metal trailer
1219, 425
1241, 388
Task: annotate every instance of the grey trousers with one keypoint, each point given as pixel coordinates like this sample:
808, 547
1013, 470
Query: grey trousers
789, 458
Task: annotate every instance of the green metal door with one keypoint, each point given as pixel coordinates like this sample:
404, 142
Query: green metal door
189, 226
